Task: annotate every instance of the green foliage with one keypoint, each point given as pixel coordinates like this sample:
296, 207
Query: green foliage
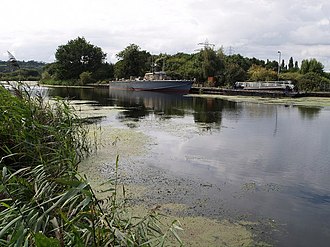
45, 75
31, 128
104, 72
259, 73
28, 65
133, 62
273, 65
291, 65
44, 201
234, 73
311, 65
244, 63
313, 82
184, 66
42, 241
85, 78
291, 76
77, 56
211, 62
21, 75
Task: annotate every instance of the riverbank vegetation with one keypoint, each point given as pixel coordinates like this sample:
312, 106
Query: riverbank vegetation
27, 71
79, 62
44, 200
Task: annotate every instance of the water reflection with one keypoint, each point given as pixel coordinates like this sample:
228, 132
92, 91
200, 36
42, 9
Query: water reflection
99, 95
140, 104
309, 112
315, 198
206, 111
283, 152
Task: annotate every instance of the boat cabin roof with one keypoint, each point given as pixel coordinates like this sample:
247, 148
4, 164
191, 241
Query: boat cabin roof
159, 75
156, 73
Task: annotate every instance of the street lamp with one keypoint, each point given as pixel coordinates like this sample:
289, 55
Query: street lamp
279, 66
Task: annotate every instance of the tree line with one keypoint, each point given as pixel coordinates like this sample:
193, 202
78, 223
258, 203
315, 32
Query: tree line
24, 70
80, 62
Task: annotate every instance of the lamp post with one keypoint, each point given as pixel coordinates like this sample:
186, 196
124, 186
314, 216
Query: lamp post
279, 66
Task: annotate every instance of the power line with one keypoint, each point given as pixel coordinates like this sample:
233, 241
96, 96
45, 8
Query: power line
206, 45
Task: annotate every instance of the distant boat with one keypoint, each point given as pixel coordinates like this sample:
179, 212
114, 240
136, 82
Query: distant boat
153, 81
265, 85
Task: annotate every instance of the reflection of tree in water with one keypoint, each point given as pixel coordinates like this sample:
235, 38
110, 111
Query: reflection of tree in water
133, 113
309, 112
137, 105
142, 103
100, 95
209, 110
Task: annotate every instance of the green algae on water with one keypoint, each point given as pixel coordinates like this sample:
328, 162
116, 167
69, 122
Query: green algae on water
303, 101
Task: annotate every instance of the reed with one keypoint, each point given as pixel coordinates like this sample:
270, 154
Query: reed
44, 201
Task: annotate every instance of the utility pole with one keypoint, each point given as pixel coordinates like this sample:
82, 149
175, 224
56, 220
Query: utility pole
230, 51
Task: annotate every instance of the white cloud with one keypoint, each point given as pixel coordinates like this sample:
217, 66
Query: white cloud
34, 29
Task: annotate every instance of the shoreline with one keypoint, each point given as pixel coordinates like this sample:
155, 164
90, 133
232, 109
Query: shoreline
256, 92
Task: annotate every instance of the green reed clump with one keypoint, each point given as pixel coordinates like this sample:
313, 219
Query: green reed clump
44, 201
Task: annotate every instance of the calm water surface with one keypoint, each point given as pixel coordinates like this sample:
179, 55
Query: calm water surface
270, 161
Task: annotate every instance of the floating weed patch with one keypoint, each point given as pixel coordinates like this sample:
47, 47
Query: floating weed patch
126, 143
89, 109
201, 231
130, 145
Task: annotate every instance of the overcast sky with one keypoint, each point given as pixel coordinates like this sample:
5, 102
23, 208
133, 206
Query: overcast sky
32, 30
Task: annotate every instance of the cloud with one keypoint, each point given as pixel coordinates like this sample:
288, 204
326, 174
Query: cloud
256, 28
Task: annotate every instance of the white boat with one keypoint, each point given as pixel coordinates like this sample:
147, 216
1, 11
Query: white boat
153, 81
265, 85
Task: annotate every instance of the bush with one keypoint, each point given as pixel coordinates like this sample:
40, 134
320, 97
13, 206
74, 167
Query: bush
44, 201
85, 78
310, 82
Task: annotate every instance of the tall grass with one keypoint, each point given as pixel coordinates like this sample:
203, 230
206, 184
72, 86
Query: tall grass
44, 201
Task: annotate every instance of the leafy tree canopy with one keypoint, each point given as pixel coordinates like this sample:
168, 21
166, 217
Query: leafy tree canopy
259, 73
76, 57
132, 62
311, 65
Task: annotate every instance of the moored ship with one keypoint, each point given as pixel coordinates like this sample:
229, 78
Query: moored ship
153, 81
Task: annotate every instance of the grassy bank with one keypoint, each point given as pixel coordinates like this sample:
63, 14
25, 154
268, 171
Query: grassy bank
44, 200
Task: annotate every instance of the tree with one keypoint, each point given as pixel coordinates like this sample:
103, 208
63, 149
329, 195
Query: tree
273, 65
311, 65
283, 66
234, 73
290, 63
212, 62
259, 73
85, 77
184, 66
310, 81
105, 71
76, 57
243, 62
133, 62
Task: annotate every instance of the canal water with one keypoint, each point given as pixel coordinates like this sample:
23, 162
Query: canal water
261, 162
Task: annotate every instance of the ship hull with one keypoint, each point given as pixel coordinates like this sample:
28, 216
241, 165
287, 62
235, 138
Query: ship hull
182, 86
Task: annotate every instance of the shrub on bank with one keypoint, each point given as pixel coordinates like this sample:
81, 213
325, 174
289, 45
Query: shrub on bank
44, 201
